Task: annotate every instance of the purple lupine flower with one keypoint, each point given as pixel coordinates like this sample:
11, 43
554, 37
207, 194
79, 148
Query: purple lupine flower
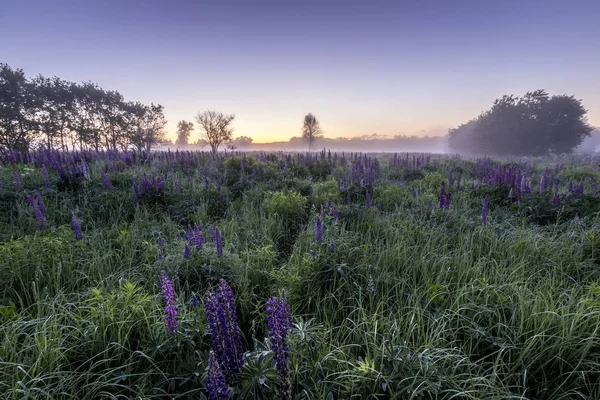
319, 230
414, 193
219, 242
232, 250
369, 202
36, 211
331, 246
334, 213
211, 233
556, 200
215, 381
46, 177
41, 204
279, 319
194, 302
187, 253
542, 184
18, 181
76, 226
195, 237
224, 330
484, 211
177, 188
106, 181
444, 198
84, 169
160, 241
170, 309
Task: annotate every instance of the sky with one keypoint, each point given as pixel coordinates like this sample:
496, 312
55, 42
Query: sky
404, 67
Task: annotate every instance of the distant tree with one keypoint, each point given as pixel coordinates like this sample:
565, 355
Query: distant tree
534, 124
216, 127
242, 141
18, 106
150, 128
311, 130
184, 129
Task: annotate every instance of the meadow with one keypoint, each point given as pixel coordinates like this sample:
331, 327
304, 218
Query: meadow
408, 276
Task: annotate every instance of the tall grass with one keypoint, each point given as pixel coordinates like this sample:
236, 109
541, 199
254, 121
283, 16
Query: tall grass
404, 301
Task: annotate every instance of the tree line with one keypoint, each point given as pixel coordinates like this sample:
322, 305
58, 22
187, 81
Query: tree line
534, 124
59, 114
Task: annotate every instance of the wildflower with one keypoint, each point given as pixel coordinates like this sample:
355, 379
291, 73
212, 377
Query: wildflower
224, 331
45, 173
334, 213
18, 181
319, 231
215, 381
194, 302
170, 309
39, 215
369, 202
76, 226
187, 252
556, 200
106, 181
41, 204
232, 250
484, 211
331, 246
160, 241
195, 237
542, 184
279, 319
444, 197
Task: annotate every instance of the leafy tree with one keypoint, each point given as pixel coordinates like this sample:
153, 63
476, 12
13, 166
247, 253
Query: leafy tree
184, 129
150, 128
55, 109
216, 126
311, 130
18, 105
534, 124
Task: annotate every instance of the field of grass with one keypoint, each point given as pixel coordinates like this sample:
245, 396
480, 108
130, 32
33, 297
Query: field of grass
405, 292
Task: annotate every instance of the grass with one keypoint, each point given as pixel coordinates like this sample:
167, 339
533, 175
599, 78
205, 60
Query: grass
400, 301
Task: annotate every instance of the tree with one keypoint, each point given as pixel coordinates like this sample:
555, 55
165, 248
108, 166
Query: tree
535, 124
184, 129
149, 128
216, 126
18, 105
311, 130
242, 141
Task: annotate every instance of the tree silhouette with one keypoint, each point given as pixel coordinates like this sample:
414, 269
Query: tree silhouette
184, 130
216, 127
311, 129
535, 124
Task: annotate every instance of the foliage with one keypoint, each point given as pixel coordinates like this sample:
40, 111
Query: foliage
402, 299
534, 124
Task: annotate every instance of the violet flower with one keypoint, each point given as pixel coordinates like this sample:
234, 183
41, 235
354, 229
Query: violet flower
170, 309
279, 319
76, 226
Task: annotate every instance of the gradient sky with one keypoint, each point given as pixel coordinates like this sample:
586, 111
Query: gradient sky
402, 67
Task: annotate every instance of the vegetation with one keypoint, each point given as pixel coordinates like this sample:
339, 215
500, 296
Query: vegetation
535, 124
57, 114
311, 130
136, 275
216, 128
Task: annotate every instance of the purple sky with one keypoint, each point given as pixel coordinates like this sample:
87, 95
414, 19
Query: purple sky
402, 67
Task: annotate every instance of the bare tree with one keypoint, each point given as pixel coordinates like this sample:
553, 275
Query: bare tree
311, 129
216, 126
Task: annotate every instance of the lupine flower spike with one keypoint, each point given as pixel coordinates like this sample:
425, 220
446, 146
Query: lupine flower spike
170, 309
